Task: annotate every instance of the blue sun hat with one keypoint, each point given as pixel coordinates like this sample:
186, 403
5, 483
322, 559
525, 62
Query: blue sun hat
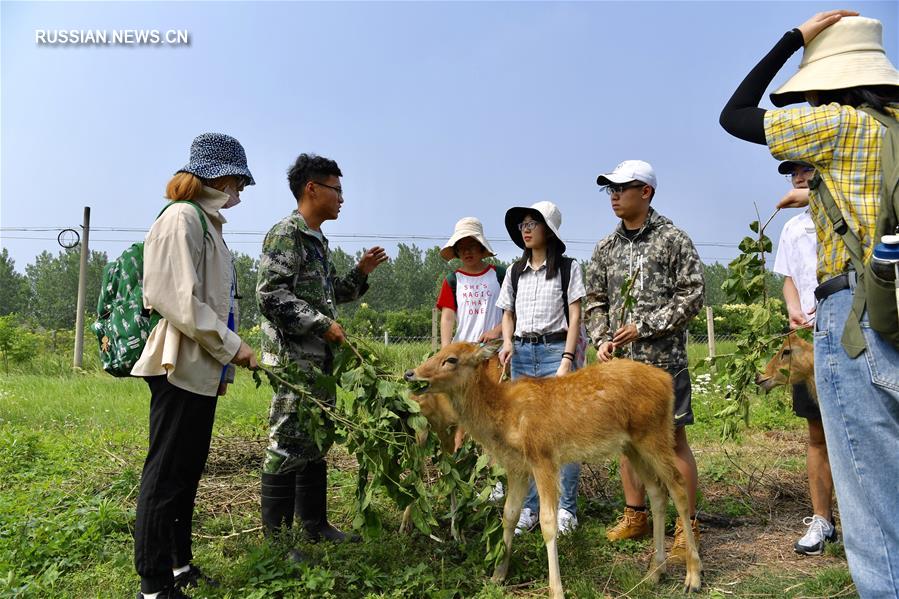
215, 155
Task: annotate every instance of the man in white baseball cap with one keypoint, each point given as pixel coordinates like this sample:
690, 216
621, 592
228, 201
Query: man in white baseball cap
660, 264
630, 171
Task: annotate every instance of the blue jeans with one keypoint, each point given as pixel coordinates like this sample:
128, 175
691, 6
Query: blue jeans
859, 400
537, 360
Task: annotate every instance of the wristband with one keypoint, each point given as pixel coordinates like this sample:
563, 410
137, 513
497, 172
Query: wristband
568, 355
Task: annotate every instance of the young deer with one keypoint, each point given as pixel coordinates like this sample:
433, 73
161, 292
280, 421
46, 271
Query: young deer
533, 426
793, 363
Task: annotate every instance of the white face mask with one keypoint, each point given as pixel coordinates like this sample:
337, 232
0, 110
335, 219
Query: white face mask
233, 198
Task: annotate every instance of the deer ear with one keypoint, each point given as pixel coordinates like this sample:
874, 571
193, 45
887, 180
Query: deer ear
488, 350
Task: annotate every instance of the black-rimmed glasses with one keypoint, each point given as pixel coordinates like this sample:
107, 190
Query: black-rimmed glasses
339, 190
619, 187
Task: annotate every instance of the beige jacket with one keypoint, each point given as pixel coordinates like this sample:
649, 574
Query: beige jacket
187, 279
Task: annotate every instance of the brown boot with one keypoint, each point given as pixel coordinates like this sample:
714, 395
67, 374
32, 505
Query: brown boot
631, 525
678, 553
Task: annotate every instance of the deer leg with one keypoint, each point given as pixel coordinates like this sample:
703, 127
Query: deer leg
454, 530
547, 480
406, 521
517, 488
677, 488
657, 500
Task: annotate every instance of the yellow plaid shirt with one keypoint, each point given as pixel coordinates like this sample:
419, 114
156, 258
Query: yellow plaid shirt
844, 145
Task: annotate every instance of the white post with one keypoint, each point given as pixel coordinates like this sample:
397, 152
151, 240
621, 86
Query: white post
82, 285
710, 329
386, 338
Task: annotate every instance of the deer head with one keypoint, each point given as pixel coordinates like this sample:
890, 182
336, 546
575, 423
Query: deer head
453, 367
793, 363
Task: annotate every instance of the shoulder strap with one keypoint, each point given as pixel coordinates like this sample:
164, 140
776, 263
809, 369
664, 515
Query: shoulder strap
196, 207
888, 215
566, 279
451, 279
515, 272
850, 239
500, 271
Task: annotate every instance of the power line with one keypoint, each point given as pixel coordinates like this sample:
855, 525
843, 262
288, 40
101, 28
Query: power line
335, 236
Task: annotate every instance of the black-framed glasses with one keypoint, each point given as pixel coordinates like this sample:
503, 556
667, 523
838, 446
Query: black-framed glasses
619, 187
528, 225
802, 170
339, 190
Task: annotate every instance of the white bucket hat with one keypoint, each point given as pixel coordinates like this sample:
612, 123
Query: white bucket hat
547, 212
466, 227
630, 170
849, 53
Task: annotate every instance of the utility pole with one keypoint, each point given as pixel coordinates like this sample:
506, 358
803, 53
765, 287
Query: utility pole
82, 288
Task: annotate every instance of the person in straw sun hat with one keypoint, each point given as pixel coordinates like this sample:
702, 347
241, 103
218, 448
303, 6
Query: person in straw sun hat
853, 89
467, 300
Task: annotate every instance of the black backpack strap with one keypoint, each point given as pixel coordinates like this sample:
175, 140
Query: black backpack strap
451, 280
566, 279
515, 273
500, 271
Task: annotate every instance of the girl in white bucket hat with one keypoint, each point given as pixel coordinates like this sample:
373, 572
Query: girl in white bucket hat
541, 299
853, 88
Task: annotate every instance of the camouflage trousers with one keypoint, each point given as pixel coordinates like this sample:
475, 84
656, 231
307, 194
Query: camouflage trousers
292, 434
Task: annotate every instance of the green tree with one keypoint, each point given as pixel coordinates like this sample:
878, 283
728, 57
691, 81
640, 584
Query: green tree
17, 344
246, 268
53, 287
715, 274
13, 286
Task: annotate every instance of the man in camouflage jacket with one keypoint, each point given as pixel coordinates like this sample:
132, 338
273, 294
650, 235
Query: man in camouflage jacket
660, 265
298, 290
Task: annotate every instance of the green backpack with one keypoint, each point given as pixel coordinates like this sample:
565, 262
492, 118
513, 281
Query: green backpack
871, 293
123, 324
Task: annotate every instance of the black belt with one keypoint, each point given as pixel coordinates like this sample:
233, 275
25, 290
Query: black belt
831, 286
548, 338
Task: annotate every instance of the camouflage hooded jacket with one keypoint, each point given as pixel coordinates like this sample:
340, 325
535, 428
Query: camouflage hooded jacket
298, 291
668, 290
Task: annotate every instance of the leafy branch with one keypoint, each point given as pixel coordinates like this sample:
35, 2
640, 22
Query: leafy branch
746, 284
628, 301
373, 416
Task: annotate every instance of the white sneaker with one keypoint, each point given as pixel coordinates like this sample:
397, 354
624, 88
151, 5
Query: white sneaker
527, 521
819, 532
567, 521
497, 494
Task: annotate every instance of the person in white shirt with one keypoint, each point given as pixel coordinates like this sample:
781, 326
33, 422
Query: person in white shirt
796, 261
467, 299
541, 299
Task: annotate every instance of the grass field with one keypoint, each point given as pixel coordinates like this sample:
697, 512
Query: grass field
71, 450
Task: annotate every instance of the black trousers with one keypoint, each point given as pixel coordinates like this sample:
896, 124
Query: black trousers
180, 433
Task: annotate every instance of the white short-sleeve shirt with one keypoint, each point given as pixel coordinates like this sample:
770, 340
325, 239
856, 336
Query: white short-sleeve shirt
538, 303
796, 258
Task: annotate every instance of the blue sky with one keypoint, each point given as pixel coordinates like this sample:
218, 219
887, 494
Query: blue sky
434, 111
